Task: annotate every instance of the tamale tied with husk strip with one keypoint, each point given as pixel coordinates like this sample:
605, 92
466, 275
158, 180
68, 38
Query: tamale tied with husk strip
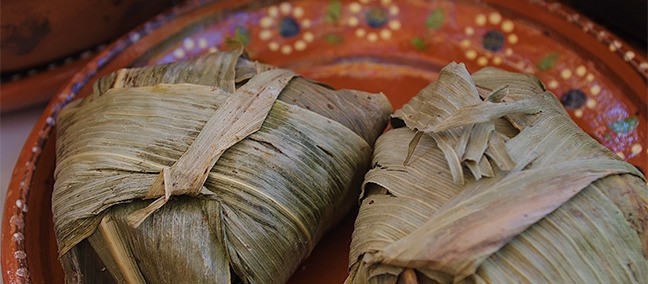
218, 169
485, 179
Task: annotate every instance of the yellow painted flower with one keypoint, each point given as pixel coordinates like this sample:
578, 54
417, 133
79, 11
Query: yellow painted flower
374, 19
490, 39
285, 29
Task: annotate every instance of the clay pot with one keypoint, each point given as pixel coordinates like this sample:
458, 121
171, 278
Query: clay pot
35, 32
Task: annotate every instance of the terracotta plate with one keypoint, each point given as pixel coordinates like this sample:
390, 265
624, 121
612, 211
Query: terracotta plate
395, 47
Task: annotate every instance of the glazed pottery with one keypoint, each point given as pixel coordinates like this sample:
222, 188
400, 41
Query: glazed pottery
394, 47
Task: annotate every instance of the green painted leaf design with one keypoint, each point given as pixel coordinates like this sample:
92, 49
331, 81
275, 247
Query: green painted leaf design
418, 43
333, 38
549, 61
333, 12
624, 125
436, 19
242, 35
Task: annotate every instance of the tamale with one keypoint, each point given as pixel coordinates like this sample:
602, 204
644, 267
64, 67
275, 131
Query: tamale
217, 169
485, 179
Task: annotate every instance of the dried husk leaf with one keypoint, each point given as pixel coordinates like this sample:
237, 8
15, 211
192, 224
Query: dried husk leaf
263, 206
564, 209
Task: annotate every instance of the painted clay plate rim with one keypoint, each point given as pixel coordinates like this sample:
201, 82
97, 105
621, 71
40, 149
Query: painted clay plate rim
14, 257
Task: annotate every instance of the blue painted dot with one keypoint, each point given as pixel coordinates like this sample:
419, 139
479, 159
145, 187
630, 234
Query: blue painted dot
376, 17
573, 99
493, 40
289, 27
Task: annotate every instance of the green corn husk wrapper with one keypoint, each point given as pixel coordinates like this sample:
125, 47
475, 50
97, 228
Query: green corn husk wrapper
195, 172
491, 182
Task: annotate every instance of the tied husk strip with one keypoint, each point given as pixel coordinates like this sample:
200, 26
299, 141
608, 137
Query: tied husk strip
264, 205
593, 231
461, 123
241, 115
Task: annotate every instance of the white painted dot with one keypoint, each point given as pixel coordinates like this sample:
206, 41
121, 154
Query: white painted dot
394, 25
188, 43
573, 17
372, 37
482, 61
202, 43
601, 35
24, 207
629, 55
589, 77
309, 37
298, 12
566, 74
19, 254
35, 149
553, 84
134, 37
578, 113
285, 8
385, 34
16, 221
266, 22
179, 53
273, 46
497, 60
595, 90
353, 21
621, 155
494, 18
50, 121
19, 203
636, 149
581, 71
471, 54
212, 49
393, 10
480, 20
286, 49
615, 45
306, 23
273, 11
643, 66
355, 7
21, 185
265, 34
591, 103
22, 272
18, 237
469, 31
512, 38
465, 43
300, 45
360, 32
508, 26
